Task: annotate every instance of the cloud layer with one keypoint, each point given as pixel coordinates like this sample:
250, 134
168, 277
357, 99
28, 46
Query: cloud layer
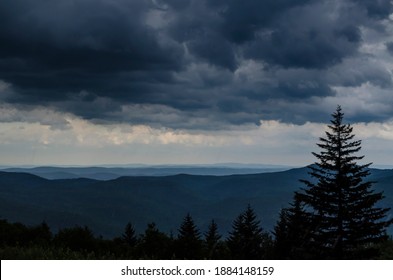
66, 139
194, 64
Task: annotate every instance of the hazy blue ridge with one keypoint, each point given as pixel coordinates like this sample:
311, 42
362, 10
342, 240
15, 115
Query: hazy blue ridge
107, 205
110, 173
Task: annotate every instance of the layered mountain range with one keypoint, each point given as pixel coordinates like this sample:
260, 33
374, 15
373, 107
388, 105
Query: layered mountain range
107, 205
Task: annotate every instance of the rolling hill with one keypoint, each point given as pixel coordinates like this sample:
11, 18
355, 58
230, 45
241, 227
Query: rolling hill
110, 173
106, 206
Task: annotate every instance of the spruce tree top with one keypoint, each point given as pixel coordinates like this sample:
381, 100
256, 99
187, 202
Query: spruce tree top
338, 146
188, 229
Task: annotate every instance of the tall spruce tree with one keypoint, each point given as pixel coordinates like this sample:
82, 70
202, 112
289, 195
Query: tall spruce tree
340, 203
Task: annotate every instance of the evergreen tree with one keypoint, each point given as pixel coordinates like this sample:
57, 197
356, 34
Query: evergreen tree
282, 243
189, 243
155, 244
127, 243
247, 240
76, 238
40, 234
292, 232
340, 203
212, 239
129, 237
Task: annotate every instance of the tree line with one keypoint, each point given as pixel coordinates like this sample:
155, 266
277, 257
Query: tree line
335, 216
246, 240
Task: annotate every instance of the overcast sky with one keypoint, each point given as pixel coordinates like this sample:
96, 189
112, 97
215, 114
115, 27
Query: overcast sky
88, 82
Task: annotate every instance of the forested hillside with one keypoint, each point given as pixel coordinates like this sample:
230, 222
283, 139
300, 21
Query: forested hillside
106, 206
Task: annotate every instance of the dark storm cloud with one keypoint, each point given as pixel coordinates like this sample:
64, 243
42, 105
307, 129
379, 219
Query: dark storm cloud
389, 47
306, 49
243, 19
216, 32
185, 63
215, 50
307, 37
376, 8
98, 36
70, 46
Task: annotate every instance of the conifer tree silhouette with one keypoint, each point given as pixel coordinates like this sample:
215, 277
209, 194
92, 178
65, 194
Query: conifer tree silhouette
247, 240
212, 238
291, 232
155, 244
189, 243
129, 236
340, 203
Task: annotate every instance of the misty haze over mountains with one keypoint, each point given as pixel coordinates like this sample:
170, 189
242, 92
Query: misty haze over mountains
113, 172
106, 200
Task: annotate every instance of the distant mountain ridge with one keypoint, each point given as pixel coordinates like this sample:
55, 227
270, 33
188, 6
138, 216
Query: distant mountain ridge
106, 206
110, 173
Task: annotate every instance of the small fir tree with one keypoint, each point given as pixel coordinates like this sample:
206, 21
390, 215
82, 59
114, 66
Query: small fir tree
129, 236
189, 243
340, 203
292, 232
76, 238
247, 240
212, 238
155, 244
